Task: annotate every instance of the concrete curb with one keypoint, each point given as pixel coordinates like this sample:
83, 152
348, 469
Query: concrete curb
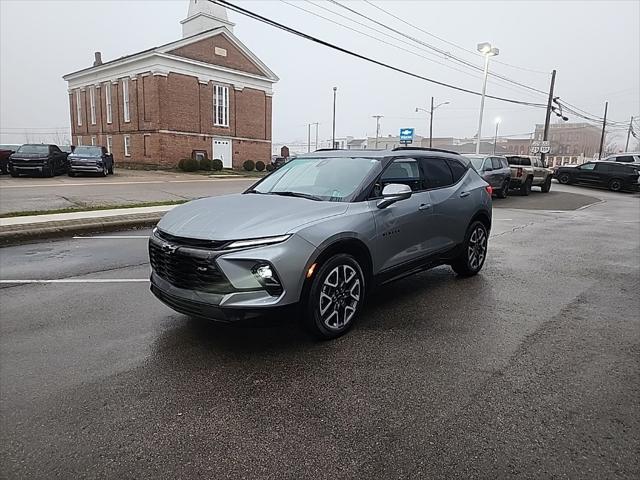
13, 234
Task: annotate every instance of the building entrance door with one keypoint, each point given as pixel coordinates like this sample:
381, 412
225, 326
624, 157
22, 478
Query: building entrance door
222, 150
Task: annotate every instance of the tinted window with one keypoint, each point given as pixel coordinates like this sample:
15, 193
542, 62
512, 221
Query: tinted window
625, 158
41, 149
505, 164
487, 164
523, 161
458, 170
587, 166
436, 172
604, 168
404, 171
496, 163
624, 169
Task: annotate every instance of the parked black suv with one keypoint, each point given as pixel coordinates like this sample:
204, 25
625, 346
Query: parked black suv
44, 159
615, 176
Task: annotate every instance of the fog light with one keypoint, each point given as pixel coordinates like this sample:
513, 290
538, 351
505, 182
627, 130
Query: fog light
264, 272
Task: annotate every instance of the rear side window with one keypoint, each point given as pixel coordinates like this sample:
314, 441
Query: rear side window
504, 162
625, 169
436, 172
624, 158
521, 161
604, 168
404, 171
495, 162
457, 169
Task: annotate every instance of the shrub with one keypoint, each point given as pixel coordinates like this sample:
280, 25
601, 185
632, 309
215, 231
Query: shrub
260, 165
190, 164
216, 164
205, 164
181, 163
270, 167
249, 165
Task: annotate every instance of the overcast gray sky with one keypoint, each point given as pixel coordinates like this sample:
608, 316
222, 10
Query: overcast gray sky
594, 45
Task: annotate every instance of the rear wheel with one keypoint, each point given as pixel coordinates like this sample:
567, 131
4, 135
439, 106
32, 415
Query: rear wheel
504, 191
615, 185
546, 186
525, 188
564, 179
335, 297
474, 250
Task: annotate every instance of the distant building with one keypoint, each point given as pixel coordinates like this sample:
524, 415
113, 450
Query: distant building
486, 148
572, 139
515, 146
206, 95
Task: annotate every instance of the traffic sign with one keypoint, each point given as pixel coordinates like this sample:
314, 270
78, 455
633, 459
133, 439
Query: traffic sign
535, 147
406, 135
545, 146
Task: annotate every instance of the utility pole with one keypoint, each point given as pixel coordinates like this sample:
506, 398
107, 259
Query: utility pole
333, 135
626, 146
377, 117
431, 124
308, 137
317, 124
547, 120
604, 125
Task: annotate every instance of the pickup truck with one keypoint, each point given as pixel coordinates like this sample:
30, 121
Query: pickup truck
5, 152
527, 172
45, 159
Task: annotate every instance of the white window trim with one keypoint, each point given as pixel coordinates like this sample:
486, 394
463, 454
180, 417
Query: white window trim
79, 141
127, 146
125, 100
107, 95
92, 102
94, 140
221, 99
78, 108
109, 143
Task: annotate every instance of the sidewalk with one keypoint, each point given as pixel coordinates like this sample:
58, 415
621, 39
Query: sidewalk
18, 229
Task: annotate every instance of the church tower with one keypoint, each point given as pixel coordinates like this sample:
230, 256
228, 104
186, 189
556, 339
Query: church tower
204, 15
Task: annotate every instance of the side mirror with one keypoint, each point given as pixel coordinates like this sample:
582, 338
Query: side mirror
392, 193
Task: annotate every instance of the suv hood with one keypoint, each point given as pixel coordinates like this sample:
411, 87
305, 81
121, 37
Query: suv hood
240, 216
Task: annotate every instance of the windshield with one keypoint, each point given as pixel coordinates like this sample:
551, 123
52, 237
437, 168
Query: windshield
43, 149
476, 161
88, 151
328, 179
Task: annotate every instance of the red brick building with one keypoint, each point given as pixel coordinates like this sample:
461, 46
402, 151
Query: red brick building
204, 95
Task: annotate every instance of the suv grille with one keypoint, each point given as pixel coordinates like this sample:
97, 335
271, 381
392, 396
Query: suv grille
187, 267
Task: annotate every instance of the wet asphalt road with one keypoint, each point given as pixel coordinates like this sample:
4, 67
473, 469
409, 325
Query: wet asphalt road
530, 369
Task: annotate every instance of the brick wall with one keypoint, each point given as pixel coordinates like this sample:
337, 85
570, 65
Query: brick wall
248, 150
204, 51
251, 108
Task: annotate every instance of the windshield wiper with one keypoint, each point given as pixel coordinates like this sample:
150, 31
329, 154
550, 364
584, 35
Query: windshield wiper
253, 190
297, 194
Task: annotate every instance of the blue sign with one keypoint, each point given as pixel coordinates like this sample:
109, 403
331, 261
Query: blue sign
406, 135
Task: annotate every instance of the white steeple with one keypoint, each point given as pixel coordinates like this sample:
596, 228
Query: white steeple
204, 15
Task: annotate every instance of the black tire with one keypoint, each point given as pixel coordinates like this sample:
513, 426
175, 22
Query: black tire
111, 169
105, 170
327, 303
504, 191
546, 186
71, 174
50, 171
525, 188
564, 179
474, 250
14, 174
615, 185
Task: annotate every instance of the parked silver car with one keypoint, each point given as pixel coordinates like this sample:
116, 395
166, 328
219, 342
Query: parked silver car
320, 233
495, 170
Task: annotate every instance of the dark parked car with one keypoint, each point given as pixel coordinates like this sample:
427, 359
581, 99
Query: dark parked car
5, 152
320, 232
495, 170
615, 176
47, 160
90, 159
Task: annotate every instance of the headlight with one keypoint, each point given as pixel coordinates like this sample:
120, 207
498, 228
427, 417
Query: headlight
255, 242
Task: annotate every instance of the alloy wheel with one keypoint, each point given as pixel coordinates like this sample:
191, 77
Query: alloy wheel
477, 248
339, 297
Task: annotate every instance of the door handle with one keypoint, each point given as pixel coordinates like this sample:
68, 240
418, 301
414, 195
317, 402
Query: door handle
465, 194
424, 206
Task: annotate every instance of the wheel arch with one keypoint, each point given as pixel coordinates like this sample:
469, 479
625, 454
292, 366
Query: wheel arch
482, 216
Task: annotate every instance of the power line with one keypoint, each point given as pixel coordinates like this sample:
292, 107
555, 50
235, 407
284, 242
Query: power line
449, 42
442, 52
311, 38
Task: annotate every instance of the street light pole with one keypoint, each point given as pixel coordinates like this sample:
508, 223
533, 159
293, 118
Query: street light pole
377, 117
495, 139
626, 146
333, 135
431, 124
317, 126
308, 137
604, 125
547, 118
488, 51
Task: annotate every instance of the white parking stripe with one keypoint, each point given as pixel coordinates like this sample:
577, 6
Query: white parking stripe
110, 237
82, 280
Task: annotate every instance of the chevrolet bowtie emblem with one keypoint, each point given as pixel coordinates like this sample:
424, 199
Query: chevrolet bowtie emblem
168, 248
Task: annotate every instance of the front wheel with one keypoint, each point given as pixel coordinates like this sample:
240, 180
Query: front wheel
335, 297
546, 186
564, 179
111, 169
105, 170
474, 250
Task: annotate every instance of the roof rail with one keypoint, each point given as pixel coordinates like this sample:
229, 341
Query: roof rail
425, 148
327, 149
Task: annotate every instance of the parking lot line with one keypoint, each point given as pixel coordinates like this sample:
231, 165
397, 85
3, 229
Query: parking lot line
81, 280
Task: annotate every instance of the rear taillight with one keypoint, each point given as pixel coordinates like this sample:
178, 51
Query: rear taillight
519, 172
489, 189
